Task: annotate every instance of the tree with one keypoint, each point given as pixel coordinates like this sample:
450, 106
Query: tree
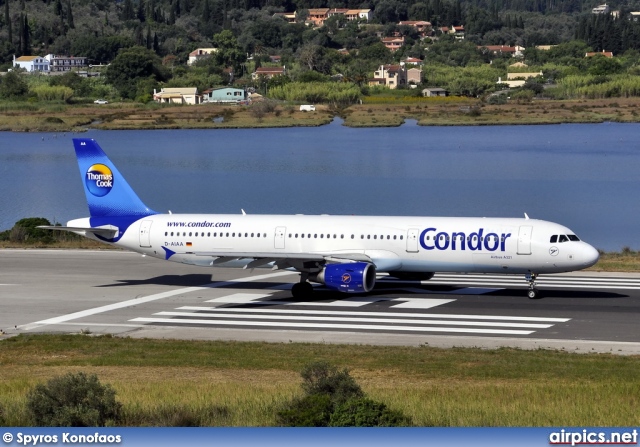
127, 12
57, 8
229, 53
13, 86
101, 49
70, 15
132, 65
25, 39
309, 55
7, 20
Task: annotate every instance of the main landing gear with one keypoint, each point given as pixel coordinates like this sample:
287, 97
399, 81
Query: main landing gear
303, 289
533, 291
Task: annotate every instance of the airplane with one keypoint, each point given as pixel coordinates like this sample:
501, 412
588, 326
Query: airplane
345, 253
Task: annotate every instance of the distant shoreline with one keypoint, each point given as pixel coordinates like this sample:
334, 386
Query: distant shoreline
375, 112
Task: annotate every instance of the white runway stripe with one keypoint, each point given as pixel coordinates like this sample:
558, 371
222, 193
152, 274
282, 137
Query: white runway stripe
352, 320
570, 282
177, 322
382, 314
144, 299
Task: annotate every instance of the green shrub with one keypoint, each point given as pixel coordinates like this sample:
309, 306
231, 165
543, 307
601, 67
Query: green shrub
363, 412
323, 378
309, 411
333, 398
497, 99
73, 400
53, 93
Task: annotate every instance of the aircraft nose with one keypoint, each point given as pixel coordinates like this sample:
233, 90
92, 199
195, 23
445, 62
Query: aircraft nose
589, 255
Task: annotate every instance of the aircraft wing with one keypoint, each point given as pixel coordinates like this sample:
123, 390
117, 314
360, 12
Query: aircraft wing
106, 231
284, 260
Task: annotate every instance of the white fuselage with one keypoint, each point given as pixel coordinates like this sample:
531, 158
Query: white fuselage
394, 244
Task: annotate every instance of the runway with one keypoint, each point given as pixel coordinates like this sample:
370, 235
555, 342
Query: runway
126, 294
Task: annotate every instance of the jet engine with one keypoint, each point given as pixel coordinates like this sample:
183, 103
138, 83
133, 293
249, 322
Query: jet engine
353, 277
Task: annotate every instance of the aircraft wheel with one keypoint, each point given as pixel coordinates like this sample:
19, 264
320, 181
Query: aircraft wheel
533, 294
301, 290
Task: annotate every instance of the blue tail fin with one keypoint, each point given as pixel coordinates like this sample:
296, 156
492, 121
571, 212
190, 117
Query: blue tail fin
108, 193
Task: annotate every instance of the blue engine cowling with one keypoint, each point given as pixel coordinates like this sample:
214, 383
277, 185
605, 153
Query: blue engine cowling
352, 277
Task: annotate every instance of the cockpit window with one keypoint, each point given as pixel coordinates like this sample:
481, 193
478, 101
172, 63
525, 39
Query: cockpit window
573, 237
563, 238
554, 239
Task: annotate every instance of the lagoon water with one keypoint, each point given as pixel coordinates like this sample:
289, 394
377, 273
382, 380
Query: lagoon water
585, 176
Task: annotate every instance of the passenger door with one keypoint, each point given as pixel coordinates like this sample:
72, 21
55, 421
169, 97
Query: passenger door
524, 240
279, 238
412, 240
145, 233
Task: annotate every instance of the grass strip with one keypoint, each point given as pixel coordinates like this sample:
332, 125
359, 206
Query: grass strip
178, 382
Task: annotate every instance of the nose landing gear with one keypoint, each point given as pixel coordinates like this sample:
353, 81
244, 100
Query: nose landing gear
533, 291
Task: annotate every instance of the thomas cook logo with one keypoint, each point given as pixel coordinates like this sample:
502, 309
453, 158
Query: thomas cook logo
99, 180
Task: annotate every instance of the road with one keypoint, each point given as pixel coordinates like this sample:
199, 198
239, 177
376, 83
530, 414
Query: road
127, 294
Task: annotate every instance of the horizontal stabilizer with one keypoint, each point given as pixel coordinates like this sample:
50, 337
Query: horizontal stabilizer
106, 231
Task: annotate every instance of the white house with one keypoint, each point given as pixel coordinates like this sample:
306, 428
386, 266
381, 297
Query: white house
199, 54
186, 95
65, 63
31, 63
